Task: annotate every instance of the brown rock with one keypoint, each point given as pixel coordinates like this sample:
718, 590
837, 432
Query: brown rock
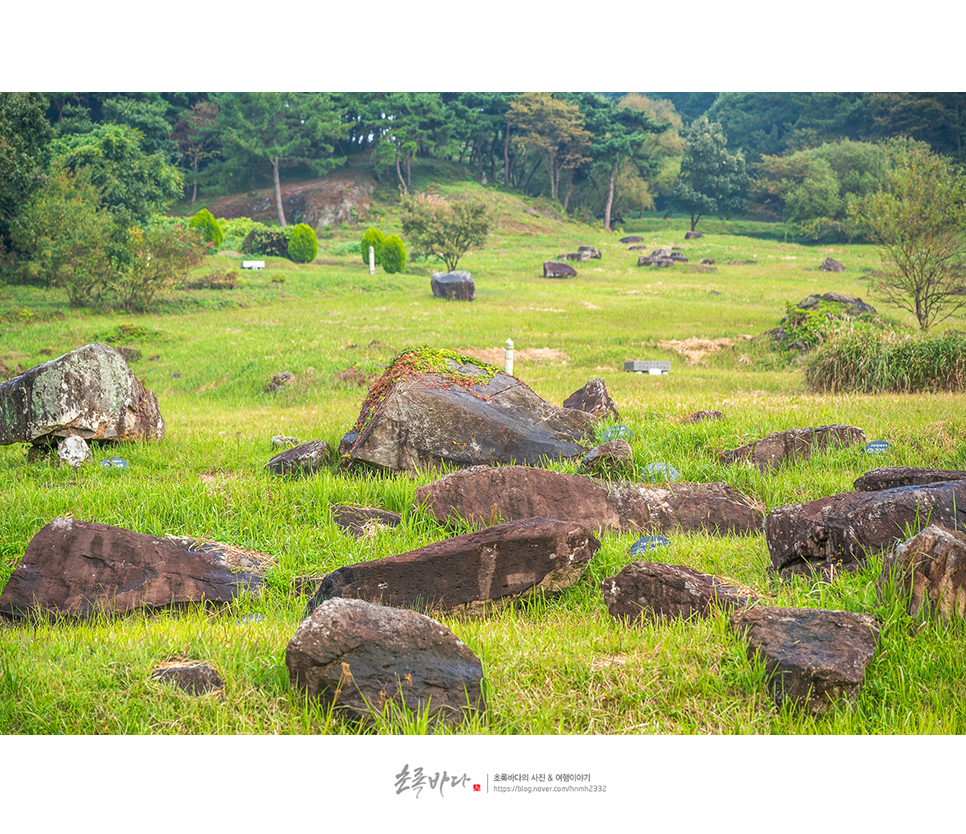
363, 521
793, 445
304, 459
359, 657
555, 269
889, 477
930, 568
482, 494
192, 676
456, 286
649, 591
814, 658
613, 458
593, 399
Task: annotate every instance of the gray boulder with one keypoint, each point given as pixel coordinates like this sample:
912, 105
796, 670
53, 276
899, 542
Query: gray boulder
304, 459
456, 286
90, 392
73, 451
555, 269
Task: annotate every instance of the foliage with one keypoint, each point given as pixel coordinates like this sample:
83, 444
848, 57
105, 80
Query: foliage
236, 230
263, 240
870, 362
157, 259
445, 230
209, 228
918, 221
712, 180
374, 238
393, 254
303, 245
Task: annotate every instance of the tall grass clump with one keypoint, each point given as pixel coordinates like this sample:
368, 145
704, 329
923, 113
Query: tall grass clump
870, 361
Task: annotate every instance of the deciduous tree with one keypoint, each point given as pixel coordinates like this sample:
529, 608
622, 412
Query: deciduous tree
445, 230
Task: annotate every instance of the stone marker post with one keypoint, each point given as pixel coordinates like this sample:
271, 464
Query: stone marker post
508, 357
372, 260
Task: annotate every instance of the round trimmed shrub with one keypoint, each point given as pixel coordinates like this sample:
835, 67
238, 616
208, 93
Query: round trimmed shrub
393, 254
303, 245
374, 238
205, 222
266, 241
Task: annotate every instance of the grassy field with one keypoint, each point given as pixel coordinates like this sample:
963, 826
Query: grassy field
554, 666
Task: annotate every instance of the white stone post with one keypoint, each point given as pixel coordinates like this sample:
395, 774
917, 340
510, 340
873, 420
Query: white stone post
508, 361
372, 260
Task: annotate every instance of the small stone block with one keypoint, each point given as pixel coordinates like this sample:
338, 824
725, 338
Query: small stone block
253, 265
647, 366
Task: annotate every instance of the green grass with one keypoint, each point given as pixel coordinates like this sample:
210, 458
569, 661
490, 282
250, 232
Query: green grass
552, 666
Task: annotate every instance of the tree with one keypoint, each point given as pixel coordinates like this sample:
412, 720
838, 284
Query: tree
711, 179
25, 135
280, 129
918, 221
196, 140
445, 230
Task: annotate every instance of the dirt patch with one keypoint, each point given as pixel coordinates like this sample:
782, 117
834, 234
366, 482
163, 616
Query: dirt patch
497, 356
695, 350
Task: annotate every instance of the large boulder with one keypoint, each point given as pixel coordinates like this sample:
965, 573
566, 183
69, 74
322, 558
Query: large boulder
456, 286
930, 570
889, 477
78, 568
358, 656
433, 407
90, 392
652, 591
841, 531
792, 445
487, 494
556, 269
815, 659
474, 573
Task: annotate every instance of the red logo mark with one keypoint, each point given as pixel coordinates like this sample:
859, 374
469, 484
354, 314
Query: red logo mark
476, 787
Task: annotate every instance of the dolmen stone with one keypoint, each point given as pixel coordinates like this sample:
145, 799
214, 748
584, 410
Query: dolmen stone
583, 253
363, 521
610, 459
456, 286
555, 269
848, 305
815, 658
653, 591
360, 657
73, 451
191, 676
793, 445
930, 570
832, 265
473, 573
840, 532
889, 477
432, 407
482, 494
632, 239
77, 569
90, 392
593, 399
304, 459
692, 235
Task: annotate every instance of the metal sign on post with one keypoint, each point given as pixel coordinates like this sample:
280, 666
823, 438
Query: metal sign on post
508, 356
372, 260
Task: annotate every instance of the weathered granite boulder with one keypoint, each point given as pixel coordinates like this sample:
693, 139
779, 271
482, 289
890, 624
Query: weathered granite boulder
650, 591
815, 658
90, 392
359, 656
930, 569
613, 459
78, 568
191, 676
593, 399
841, 531
304, 459
73, 451
793, 445
474, 573
555, 269
889, 477
363, 521
484, 494
433, 407
456, 286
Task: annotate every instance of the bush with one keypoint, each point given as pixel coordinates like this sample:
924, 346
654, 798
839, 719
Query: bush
869, 361
236, 230
303, 245
266, 241
374, 238
204, 221
157, 259
393, 254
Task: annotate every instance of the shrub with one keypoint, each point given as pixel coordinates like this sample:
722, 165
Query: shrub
204, 221
303, 245
157, 259
374, 238
236, 230
393, 254
870, 361
266, 241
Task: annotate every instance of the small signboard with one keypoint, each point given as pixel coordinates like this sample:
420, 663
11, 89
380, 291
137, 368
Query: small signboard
876, 447
648, 366
616, 431
253, 265
648, 543
115, 463
661, 472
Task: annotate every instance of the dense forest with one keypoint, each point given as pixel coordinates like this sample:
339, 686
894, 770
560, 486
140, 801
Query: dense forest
793, 157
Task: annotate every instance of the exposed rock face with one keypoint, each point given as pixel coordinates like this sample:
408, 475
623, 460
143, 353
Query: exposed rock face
555, 269
593, 399
363, 521
77, 568
304, 459
890, 477
815, 658
484, 494
474, 573
193, 677
359, 656
432, 407
792, 445
89, 392
648, 591
931, 569
840, 531
457, 286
